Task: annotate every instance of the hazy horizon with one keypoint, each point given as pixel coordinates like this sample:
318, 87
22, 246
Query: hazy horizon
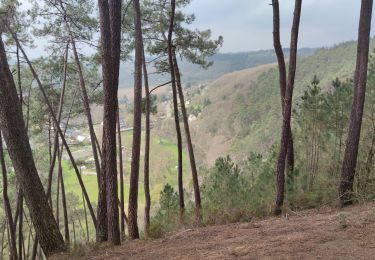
324, 23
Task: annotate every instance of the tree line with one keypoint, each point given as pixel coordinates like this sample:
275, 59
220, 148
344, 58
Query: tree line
72, 75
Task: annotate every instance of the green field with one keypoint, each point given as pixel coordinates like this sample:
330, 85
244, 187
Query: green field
163, 162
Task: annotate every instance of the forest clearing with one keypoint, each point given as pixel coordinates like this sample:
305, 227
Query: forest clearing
324, 233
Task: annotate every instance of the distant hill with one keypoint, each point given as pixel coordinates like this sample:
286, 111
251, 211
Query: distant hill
222, 63
243, 111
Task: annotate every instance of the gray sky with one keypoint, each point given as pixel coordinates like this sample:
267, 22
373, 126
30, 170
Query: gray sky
247, 24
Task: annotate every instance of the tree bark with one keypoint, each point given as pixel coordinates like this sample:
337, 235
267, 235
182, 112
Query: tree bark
7, 207
175, 109
102, 230
121, 166
20, 195
63, 198
146, 182
282, 77
15, 135
20, 228
114, 236
110, 26
86, 221
185, 119
137, 125
360, 79
287, 112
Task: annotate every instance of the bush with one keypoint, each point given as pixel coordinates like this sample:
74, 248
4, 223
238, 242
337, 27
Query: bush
167, 217
225, 193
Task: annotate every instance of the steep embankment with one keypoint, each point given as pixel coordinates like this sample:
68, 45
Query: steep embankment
243, 114
214, 127
314, 234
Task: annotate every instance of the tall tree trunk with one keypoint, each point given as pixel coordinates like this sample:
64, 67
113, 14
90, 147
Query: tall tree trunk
58, 194
110, 26
2, 241
74, 230
287, 112
20, 195
85, 98
112, 185
55, 121
59, 113
175, 109
15, 134
61, 177
105, 33
121, 166
20, 229
360, 78
63, 198
185, 118
137, 125
146, 181
282, 78
86, 105
7, 207
86, 221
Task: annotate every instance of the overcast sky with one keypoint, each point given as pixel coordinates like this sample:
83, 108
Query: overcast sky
247, 24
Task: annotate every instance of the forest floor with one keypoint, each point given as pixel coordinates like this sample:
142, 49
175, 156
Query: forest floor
313, 234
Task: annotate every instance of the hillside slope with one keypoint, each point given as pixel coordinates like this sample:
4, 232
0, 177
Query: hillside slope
212, 130
244, 107
222, 63
314, 234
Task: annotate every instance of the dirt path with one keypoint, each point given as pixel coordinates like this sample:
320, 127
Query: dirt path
324, 234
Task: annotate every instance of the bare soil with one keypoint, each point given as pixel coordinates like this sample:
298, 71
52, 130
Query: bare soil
313, 234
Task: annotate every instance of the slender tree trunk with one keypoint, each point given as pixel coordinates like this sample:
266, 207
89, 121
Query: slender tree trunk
121, 165
39, 83
61, 104
102, 230
137, 125
86, 105
2, 241
20, 229
146, 182
369, 162
86, 222
61, 177
175, 109
7, 207
35, 248
58, 192
98, 147
282, 78
85, 98
285, 134
74, 231
360, 78
185, 118
28, 240
15, 134
63, 198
